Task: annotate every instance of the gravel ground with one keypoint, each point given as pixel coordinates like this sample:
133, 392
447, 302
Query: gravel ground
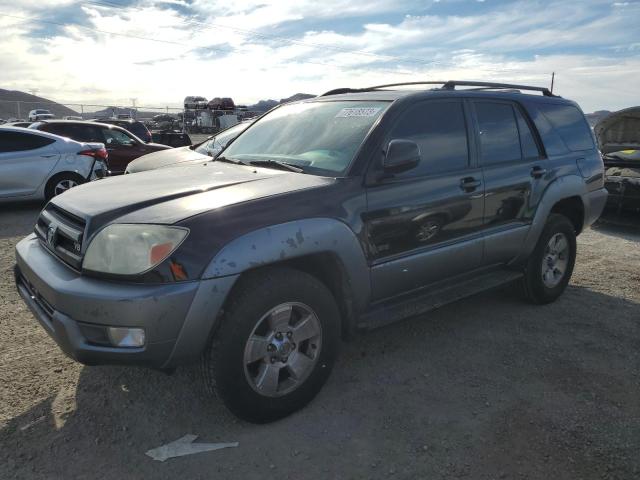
486, 388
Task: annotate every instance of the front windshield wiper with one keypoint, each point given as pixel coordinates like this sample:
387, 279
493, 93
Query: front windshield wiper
228, 160
277, 164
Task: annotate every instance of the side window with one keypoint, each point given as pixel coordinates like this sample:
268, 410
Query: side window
116, 137
440, 131
499, 139
553, 144
18, 141
87, 133
570, 124
528, 143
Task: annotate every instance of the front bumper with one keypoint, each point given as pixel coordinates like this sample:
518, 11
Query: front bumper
177, 318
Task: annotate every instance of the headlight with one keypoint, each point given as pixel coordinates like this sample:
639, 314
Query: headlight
129, 249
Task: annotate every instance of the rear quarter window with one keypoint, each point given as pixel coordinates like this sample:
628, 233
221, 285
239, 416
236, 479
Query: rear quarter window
570, 124
18, 141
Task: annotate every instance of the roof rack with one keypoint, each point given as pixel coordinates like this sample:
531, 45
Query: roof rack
447, 85
452, 84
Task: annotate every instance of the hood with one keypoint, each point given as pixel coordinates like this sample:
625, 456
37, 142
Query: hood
169, 195
159, 146
619, 131
165, 157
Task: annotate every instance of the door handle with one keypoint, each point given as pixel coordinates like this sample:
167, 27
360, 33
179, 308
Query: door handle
469, 184
538, 172
48, 156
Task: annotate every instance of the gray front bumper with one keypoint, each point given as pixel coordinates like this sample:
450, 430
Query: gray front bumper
177, 317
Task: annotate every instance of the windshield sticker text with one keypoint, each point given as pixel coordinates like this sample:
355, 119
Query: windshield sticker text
358, 112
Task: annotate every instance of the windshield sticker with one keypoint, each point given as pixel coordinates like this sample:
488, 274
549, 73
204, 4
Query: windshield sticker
358, 112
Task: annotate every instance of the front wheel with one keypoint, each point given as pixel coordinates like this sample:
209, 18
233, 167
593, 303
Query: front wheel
550, 266
276, 345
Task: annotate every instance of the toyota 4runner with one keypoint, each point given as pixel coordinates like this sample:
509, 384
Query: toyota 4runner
347, 211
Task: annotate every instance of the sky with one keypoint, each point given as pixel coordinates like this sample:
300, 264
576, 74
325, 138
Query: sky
159, 51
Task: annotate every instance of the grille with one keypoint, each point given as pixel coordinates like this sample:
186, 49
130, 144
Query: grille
61, 233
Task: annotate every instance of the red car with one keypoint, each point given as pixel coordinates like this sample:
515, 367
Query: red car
122, 146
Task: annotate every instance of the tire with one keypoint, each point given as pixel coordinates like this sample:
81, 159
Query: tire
243, 373
55, 184
538, 284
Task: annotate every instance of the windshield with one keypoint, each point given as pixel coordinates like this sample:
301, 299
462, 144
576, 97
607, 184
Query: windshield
215, 144
319, 137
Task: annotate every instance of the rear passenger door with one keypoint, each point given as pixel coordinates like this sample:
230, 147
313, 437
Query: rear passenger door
25, 162
424, 225
515, 174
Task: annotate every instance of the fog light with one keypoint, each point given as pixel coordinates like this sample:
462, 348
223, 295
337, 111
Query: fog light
126, 337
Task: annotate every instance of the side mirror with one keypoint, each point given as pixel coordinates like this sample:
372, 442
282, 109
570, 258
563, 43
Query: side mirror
402, 155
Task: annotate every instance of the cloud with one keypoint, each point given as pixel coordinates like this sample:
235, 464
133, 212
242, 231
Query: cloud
161, 51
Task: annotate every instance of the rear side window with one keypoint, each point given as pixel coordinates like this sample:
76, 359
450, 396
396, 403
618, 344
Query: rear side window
499, 138
570, 123
440, 131
18, 141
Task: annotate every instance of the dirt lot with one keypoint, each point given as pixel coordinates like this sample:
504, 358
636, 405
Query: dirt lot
487, 388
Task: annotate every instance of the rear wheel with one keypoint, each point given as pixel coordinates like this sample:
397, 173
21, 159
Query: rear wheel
61, 183
276, 345
551, 264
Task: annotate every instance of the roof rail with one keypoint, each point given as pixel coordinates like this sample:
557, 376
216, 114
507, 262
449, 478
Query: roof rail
446, 85
452, 84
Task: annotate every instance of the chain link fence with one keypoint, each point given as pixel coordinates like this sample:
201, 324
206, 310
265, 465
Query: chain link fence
197, 120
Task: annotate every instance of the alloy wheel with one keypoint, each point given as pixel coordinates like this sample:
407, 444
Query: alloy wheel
282, 349
555, 260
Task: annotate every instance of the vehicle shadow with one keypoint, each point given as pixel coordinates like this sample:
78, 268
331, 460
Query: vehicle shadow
486, 387
625, 226
18, 219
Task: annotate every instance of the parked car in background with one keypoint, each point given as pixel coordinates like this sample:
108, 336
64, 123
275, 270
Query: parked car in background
193, 102
224, 103
39, 165
201, 152
40, 114
618, 136
257, 263
163, 121
122, 145
172, 138
136, 127
71, 117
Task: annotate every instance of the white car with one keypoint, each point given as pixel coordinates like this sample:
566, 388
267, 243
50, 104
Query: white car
40, 165
40, 114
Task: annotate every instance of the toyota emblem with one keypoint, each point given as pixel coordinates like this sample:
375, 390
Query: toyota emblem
51, 235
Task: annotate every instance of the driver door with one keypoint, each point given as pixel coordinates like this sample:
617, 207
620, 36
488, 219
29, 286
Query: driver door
424, 225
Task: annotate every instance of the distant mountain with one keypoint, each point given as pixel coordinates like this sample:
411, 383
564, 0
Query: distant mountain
264, 105
16, 104
595, 117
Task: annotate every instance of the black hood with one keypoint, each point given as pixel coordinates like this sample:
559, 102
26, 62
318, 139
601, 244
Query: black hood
169, 195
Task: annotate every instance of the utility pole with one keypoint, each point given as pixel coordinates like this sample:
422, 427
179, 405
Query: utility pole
553, 77
133, 102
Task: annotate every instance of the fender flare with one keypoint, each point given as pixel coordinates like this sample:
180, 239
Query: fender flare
560, 189
277, 243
